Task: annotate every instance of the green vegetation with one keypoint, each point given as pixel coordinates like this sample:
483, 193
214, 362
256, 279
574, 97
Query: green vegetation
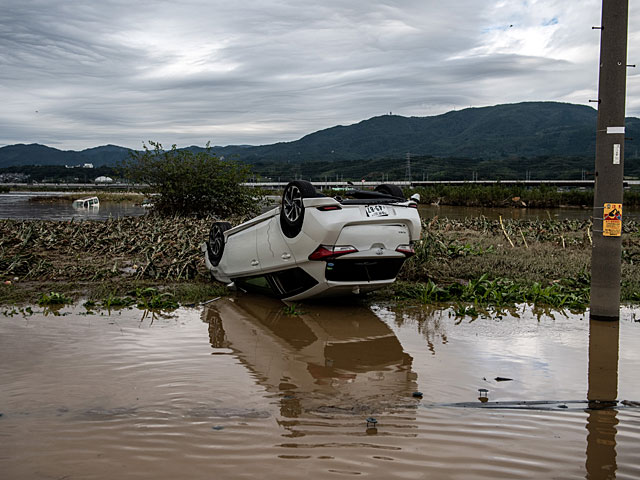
189, 183
472, 262
154, 295
57, 173
146, 298
426, 167
152, 299
508, 132
53, 298
24, 311
292, 309
114, 301
513, 196
41, 155
500, 292
190, 293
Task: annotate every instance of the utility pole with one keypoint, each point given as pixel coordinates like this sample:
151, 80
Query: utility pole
607, 208
407, 173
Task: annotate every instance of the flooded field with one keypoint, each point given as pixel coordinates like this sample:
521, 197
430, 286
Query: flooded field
240, 389
17, 205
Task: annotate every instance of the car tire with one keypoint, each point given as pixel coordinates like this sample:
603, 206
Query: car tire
215, 245
292, 210
388, 189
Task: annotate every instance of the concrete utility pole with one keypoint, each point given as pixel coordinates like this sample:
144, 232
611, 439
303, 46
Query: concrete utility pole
607, 208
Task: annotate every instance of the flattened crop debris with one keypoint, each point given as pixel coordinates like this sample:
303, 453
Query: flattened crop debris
161, 248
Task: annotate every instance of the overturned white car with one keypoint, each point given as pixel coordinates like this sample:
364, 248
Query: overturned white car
314, 245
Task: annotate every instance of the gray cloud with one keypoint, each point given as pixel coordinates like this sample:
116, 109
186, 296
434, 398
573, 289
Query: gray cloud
79, 74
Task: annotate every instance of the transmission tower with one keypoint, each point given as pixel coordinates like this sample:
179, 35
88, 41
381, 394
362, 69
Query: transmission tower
407, 172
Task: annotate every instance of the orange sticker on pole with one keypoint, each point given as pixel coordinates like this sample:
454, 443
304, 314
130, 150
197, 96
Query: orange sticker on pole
612, 220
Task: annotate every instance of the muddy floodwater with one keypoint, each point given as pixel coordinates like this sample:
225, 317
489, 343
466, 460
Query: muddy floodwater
18, 205
240, 389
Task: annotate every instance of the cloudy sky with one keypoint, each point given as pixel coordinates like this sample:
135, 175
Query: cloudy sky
78, 74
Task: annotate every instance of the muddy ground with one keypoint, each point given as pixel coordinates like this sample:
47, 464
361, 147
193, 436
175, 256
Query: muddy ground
92, 259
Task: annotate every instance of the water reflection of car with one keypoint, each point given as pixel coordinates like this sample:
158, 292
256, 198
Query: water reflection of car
329, 358
313, 245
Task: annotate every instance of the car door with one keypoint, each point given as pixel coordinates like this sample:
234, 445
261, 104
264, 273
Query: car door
272, 248
240, 256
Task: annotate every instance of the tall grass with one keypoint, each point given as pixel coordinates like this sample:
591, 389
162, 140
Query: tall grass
513, 195
499, 292
472, 261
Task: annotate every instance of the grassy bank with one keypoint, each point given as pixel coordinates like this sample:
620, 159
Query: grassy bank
104, 197
472, 262
516, 195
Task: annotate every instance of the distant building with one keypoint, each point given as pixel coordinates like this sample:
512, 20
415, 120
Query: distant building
87, 165
14, 178
103, 179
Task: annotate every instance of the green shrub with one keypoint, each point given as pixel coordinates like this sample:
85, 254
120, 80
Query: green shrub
192, 183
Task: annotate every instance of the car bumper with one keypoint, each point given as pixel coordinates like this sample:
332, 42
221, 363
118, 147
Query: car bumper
351, 274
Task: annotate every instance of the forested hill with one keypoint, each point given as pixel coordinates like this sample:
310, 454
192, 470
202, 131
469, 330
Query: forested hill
530, 129
35, 154
524, 129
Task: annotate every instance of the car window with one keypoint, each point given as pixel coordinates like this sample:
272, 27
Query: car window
255, 284
292, 281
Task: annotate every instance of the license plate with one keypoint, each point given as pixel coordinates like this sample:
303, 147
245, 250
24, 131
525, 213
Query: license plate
376, 211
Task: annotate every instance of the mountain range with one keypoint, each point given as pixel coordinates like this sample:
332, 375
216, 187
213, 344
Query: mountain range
524, 130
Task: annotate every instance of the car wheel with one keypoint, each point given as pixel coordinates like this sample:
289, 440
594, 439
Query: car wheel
388, 189
292, 211
215, 245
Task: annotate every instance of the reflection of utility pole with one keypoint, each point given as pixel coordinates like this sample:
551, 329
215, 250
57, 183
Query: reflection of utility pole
604, 341
607, 243
602, 396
